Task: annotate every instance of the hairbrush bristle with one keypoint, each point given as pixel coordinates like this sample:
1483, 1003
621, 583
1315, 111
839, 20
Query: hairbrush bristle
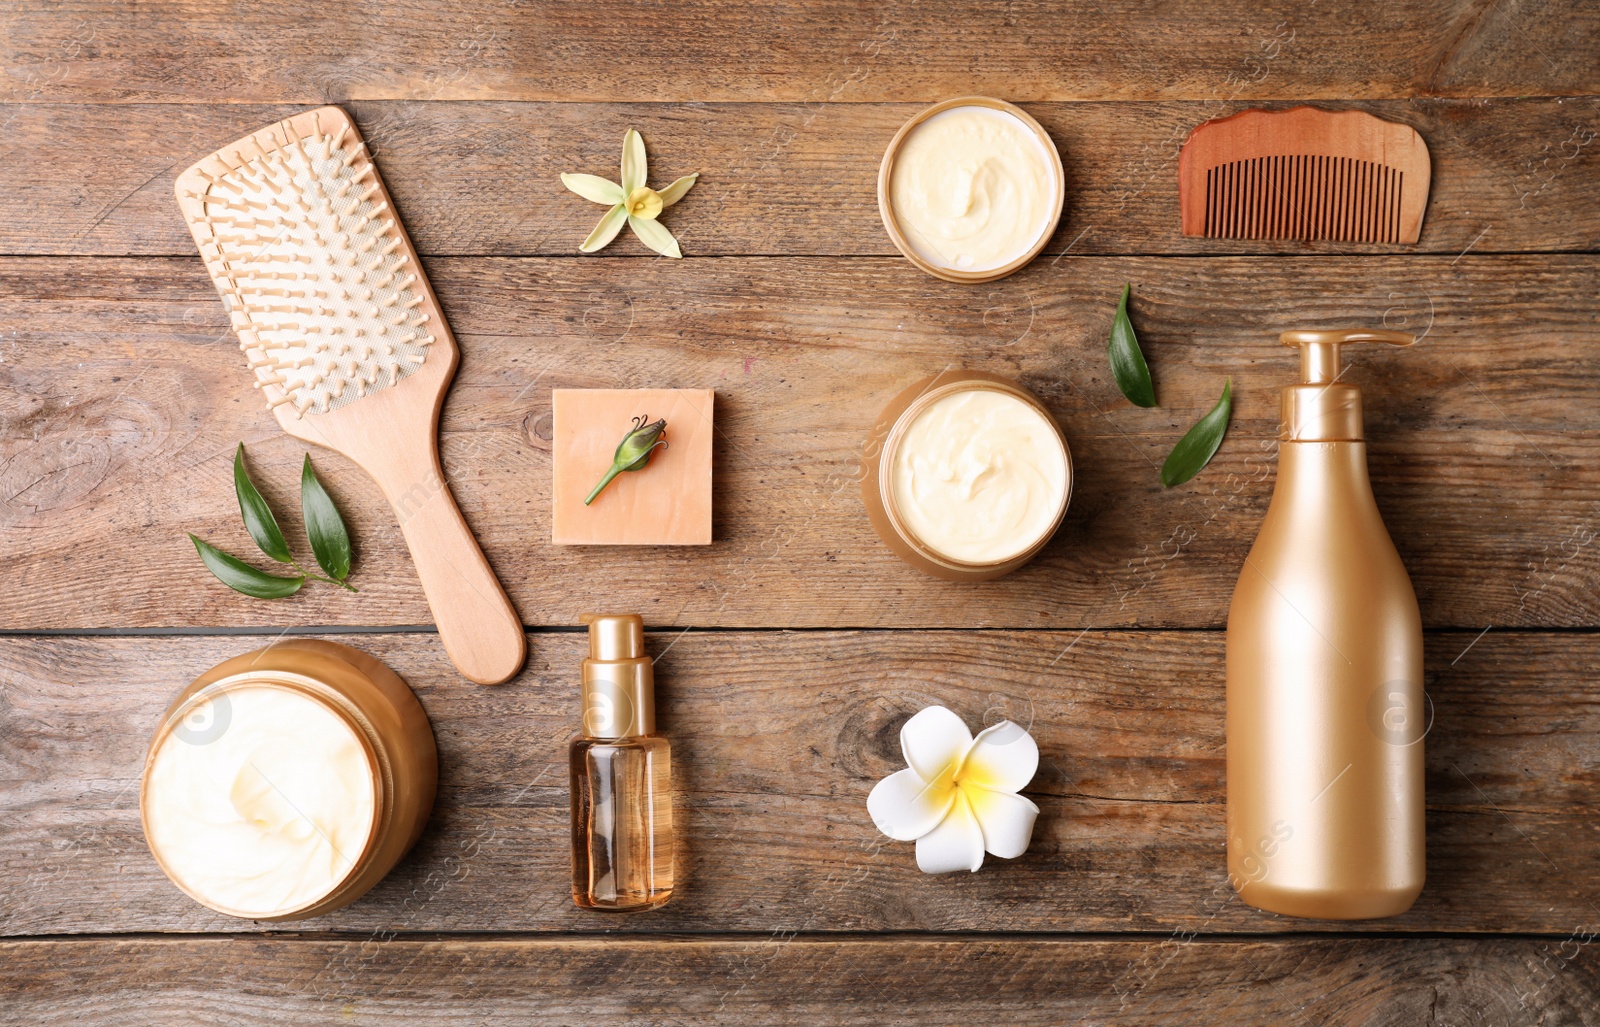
312, 270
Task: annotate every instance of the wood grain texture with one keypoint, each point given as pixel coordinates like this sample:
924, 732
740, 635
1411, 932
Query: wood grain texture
806, 50
784, 179
124, 396
779, 736
931, 981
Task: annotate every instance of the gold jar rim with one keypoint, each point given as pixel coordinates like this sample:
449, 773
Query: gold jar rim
891, 222
383, 714
878, 468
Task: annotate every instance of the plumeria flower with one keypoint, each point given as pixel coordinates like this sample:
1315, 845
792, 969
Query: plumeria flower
957, 797
632, 202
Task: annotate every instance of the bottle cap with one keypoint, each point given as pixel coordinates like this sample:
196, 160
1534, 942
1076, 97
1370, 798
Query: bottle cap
1320, 409
618, 679
615, 636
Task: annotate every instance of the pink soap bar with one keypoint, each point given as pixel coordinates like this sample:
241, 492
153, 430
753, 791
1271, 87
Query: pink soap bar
666, 504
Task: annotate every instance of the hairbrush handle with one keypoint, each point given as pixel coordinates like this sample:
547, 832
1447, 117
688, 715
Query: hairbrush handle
479, 627
328, 297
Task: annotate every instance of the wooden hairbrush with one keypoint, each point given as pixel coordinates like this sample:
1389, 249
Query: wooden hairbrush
1304, 174
348, 344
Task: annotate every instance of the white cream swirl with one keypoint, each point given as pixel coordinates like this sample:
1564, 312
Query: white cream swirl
979, 476
261, 802
972, 188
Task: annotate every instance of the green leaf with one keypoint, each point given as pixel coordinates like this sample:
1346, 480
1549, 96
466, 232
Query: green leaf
1132, 374
330, 542
1199, 445
258, 519
241, 577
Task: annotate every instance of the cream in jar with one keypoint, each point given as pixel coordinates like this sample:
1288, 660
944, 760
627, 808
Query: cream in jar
980, 476
261, 802
974, 189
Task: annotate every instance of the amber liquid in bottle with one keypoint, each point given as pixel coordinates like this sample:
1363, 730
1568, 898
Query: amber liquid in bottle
621, 823
622, 840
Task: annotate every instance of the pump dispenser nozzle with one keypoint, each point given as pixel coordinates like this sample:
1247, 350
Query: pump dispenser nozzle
618, 679
1319, 350
1320, 409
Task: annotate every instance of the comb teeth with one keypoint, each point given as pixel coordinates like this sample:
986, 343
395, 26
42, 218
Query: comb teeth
1304, 197
312, 268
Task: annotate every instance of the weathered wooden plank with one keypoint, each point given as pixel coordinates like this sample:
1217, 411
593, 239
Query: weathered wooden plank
483, 178
803, 50
778, 738
124, 397
782, 980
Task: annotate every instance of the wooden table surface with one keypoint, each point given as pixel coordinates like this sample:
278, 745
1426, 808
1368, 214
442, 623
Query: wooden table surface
791, 651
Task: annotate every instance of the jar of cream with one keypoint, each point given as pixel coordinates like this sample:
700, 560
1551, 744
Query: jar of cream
285, 783
966, 476
971, 189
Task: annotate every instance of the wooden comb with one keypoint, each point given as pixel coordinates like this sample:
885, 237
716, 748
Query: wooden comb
1304, 174
348, 344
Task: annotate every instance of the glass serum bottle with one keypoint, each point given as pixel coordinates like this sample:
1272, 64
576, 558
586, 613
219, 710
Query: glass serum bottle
622, 841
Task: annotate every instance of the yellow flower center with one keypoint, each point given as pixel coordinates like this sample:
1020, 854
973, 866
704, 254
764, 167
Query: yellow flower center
644, 202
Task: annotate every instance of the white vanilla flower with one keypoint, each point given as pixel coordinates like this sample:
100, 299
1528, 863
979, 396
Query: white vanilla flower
957, 797
632, 202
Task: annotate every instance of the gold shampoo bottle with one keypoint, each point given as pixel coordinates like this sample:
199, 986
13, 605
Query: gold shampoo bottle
622, 841
1324, 655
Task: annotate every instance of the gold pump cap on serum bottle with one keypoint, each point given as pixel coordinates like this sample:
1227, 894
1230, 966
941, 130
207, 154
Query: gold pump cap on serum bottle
619, 688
